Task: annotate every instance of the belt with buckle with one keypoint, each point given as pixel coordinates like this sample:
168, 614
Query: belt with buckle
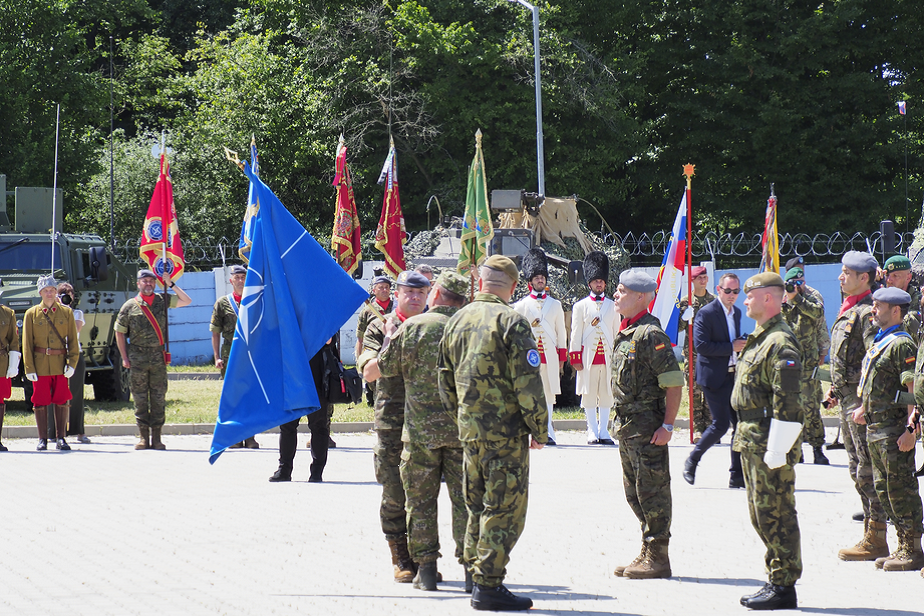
44, 351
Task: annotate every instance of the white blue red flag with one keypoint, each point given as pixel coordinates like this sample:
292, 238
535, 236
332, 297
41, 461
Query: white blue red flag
666, 305
901, 107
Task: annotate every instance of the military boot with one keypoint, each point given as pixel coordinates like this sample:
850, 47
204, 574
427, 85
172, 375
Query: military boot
620, 570
144, 441
2, 413
908, 556
469, 580
774, 598
61, 427
498, 599
251, 443
872, 546
426, 576
656, 563
41, 423
155, 439
403, 564
820, 457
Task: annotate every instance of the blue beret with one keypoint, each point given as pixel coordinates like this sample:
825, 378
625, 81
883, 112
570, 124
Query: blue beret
637, 280
860, 261
892, 295
415, 280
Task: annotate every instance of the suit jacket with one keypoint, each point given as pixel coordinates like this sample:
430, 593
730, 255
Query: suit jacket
712, 344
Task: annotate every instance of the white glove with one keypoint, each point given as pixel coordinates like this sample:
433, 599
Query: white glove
32, 376
688, 314
14, 364
68, 372
783, 435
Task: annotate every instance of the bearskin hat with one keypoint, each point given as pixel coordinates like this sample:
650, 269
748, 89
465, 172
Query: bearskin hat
534, 263
596, 266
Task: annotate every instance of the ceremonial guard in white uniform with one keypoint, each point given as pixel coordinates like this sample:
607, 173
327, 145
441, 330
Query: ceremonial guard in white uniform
594, 323
547, 319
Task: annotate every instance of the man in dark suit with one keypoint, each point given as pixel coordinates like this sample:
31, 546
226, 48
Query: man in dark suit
717, 340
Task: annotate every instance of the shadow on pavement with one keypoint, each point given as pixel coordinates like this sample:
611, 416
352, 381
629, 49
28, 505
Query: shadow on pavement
723, 581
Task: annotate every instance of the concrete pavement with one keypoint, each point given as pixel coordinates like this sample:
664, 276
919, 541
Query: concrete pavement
108, 530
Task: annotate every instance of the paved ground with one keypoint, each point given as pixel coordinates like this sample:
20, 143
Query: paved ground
107, 530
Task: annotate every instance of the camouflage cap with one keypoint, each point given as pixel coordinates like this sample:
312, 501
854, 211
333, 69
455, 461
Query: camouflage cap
454, 282
638, 281
46, 281
503, 264
238, 269
145, 273
898, 263
413, 280
762, 281
892, 295
859, 261
793, 273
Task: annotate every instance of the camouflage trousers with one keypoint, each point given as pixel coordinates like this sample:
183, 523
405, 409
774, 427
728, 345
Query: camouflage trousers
771, 495
148, 384
701, 417
646, 476
496, 489
813, 431
422, 469
387, 459
858, 462
893, 474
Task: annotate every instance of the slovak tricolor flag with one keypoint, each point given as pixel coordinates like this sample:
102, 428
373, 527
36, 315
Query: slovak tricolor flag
901, 107
666, 305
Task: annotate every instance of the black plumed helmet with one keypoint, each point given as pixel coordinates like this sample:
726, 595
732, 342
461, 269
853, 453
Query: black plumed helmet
534, 263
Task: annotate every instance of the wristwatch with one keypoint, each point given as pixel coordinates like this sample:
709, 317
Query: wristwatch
668, 427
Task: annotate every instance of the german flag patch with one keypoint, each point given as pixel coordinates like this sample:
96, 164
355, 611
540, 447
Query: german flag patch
658, 347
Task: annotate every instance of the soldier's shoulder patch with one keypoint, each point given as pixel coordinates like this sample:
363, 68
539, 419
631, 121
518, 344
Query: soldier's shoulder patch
910, 360
659, 346
532, 358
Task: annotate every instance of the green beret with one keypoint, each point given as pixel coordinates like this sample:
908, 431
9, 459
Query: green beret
892, 295
793, 273
898, 263
762, 281
503, 264
454, 282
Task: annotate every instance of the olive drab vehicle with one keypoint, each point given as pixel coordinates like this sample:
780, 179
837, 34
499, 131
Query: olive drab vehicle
101, 283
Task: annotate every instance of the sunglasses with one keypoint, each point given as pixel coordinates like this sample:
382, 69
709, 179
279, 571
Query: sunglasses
730, 291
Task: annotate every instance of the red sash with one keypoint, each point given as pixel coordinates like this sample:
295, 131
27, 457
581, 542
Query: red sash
160, 335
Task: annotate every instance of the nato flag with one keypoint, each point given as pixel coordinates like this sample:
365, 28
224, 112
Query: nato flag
295, 298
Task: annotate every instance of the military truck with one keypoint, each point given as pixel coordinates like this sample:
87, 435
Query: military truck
101, 282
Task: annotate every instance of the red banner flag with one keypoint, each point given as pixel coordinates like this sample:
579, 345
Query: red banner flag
345, 237
390, 235
161, 247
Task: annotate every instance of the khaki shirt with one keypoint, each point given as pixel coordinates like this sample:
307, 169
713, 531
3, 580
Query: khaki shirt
37, 333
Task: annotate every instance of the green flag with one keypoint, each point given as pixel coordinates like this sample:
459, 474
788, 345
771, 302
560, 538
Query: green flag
477, 230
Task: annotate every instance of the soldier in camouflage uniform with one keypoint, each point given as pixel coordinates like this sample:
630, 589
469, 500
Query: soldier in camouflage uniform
9, 358
700, 415
411, 298
375, 309
145, 356
222, 326
896, 273
647, 385
767, 397
851, 335
890, 432
489, 372
432, 450
802, 312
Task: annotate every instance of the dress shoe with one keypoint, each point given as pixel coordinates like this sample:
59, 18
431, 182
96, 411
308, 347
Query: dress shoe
498, 599
820, 457
42, 444
61, 445
281, 475
774, 598
735, 482
607, 441
762, 591
593, 442
330, 443
689, 471
858, 516
3, 447
551, 443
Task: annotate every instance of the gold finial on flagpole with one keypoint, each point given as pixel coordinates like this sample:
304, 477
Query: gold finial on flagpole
688, 172
478, 138
233, 157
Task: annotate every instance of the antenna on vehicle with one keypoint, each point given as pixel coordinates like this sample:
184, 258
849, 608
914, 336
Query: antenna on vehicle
54, 190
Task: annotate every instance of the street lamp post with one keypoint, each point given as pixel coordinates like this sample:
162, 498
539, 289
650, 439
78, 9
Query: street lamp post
540, 149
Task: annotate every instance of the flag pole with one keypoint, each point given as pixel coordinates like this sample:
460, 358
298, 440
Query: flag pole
688, 172
165, 229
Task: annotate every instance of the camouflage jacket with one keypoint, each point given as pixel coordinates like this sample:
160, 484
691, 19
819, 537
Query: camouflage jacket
132, 322
888, 370
414, 354
371, 312
37, 333
802, 314
919, 378
489, 371
389, 391
643, 367
767, 379
912, 320
683, 326
224, 321
821, 331
9, 337
851, 334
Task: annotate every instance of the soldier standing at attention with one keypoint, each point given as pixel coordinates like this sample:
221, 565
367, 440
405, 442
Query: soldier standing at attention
897, 274
890, 426
593, 329
851, 335
141, 323
489, 373
767, 397
374, 309
9, 359
411, 297
432, 450
802, 312
50, 353
701, 296
224, 322
647, 384
547, 319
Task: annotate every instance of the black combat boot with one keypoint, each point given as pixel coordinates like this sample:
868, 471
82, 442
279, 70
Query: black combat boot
498, 599
820, 457
41, 423
426, 576
282, 473
759, 593
775, 598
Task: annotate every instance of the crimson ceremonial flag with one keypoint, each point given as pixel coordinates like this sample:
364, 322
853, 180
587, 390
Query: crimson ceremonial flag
390, 235
161, 247
770, 258
346, 235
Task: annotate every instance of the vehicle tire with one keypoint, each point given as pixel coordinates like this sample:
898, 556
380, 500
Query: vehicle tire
112, 385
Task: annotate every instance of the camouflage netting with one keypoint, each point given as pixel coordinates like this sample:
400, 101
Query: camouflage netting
424, 243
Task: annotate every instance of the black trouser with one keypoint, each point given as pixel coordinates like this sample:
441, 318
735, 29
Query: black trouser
319, 425
719, 401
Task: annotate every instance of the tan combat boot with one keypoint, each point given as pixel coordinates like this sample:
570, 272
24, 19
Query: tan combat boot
873, 545
403, 564
620, 570
155, 439
908, 556
656, 563
144, 442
